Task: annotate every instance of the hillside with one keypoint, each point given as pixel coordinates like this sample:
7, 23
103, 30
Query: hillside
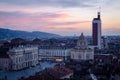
9, 34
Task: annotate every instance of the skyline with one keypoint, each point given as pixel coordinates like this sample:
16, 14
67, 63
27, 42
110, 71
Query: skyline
64, 17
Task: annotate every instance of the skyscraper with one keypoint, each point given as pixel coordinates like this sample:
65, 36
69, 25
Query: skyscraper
96, 31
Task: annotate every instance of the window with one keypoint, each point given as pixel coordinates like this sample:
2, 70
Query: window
82, 44
79, 56
87, 56
73, 55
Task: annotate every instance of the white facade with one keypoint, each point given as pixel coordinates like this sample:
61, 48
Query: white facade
82, 52
55, 53
22, 57
104, 42
82, 55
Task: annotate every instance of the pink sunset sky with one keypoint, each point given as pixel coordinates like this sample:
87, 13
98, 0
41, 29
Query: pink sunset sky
63, 17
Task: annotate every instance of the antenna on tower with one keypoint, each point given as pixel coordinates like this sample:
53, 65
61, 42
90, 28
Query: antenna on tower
99, 12
99, 9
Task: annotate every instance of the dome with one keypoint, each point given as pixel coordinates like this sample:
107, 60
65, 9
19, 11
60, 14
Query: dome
82, 43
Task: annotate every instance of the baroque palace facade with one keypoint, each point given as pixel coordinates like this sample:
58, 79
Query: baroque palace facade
19, 58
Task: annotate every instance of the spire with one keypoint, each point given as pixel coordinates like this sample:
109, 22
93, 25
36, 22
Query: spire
99, 12
99, 9
98, 15
82, 36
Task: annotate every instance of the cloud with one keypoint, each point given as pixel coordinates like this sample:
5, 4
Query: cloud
69, 23
37, 21
54, 15
51, 3
11, 14
46, 14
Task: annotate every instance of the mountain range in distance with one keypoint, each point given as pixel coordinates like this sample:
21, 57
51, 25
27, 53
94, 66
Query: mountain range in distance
10, 34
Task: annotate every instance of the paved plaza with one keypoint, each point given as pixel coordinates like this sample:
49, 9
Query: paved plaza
15, 75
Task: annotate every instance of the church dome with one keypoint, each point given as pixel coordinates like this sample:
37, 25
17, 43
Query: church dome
82, 43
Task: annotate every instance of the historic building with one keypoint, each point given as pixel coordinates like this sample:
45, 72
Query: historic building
57, 53
5, 62
19, 57
81, 51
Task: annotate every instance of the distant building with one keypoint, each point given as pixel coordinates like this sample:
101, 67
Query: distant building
18, 41
37, 41
104, 43
2, 42
96, 31
19, 58
81, 51
57, 53
106, 58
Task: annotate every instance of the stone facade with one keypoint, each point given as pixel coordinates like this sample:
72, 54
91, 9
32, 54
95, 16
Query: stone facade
82, 51
5, 63
20, 57
54, 53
